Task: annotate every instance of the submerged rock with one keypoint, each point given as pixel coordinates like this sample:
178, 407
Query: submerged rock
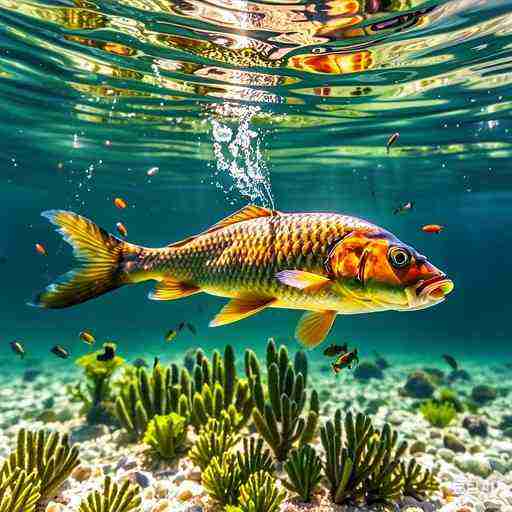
435, 373
483, 394
367, 370
31, 374
418, 447
453, 443
459, 375
419, 385
86, 432
476, 426
474, 464
506, 422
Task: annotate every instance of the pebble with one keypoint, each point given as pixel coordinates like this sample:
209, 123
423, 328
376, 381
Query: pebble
162, 506
474, 464
54, 507
188, 490
82, 473
453, 443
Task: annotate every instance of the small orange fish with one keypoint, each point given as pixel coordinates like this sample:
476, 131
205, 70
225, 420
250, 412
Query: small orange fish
41, 249
121, 228
392, 139
432, 228
120, 203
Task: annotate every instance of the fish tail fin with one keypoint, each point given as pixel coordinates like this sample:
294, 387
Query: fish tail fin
99, 254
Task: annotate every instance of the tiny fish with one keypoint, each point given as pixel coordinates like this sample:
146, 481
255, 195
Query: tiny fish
121, 229
347, 360
87, 337
180, 327
18, 348
108, 354
451, 361
60, 351
335, 350
41, 249
153, 171
432, 228
403, 208
191, 328
171, 334
120, 203
392, 139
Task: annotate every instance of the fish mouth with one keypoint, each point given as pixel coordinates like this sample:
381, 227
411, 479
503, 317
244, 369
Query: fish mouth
435, 288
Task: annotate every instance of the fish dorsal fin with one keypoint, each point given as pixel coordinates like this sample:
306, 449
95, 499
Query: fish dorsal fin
314, 326
251, 211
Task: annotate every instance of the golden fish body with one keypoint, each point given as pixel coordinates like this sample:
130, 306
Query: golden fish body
324, 263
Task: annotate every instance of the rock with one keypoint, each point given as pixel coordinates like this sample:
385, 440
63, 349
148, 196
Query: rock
446, 454
64, 415
381, 363
436, 374
82, 473
194, 508
161, 489
453, 443
162, 506
86, 432
483, 394
47, 416
459, 375
194, 473
474, 464
143, 479
417, 447
54, 507
419, 385
367, 370
498, 464
188, 489
508, 432
506, 422
31, 374
373, 406
476, 426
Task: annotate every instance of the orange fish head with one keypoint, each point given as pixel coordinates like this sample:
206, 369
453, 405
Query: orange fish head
385, 273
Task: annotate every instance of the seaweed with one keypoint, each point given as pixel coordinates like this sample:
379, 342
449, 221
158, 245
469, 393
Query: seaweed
216, 438
438, 414
19, 490
47, 454
361, 467
260, 494
254, 458
418, 483
97, 397
447, 395
114, 498
221, 479
166, 435
279, 420
304, 470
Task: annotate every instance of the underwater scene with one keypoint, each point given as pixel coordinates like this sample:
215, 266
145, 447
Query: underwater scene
255, 255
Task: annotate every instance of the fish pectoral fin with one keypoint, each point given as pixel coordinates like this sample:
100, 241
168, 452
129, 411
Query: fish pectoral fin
238, 309
314, 326
172, 289
303, 280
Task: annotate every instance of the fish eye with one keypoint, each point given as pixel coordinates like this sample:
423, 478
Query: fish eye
399, 257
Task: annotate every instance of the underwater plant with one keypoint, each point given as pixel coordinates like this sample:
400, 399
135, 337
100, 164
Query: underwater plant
19, 491
361, 465
216, 438
166, 435
449, 396
48, 455
438, 414
97, 397
254, 458
417, 482
114, 498
260, 494
279, 420
304, 470
221, 479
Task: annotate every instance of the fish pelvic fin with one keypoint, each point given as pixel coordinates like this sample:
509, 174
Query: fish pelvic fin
314, 326
303, 280
171, 289
99, 254
238, 309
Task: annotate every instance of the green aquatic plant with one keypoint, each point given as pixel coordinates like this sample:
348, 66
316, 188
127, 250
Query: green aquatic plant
449, 396
304, 470
280, 420
114, 498
417, 482
166, 435
361, 462
438, 414
221, 479
253, 457
97, 396
260, 494
216, 438
48, 455
19, 491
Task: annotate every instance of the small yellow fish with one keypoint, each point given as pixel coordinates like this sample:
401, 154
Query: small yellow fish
87, 337
120, 203
18, 348
392, 139
171, 334
121, 228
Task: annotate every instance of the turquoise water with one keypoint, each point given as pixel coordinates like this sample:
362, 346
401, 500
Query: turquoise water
234, 104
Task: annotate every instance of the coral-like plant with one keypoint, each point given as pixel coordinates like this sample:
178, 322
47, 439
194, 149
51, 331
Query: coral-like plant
216, 438
260, 494
19, 491
114, 498
361, 465
280, 420
304, 470
47, 455
97, 396
254, 458
166, 435
438, 414
417, 482
449, 396
221, 479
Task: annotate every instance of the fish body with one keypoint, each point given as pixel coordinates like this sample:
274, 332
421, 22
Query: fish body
450, 360
324, 263
171, 334
403, 208
120, 203
432, 228
121, 229
60, 351
41, 249
87, 337
335, 350
347, 360
392, 139
18, 348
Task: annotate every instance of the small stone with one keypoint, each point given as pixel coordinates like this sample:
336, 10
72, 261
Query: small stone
506, 422
508, 432
194, 474
483, 394
82, 473
148, 494
162, 506
417, 447
459, 375
86, 432
453, 443
498, 465
446, 454
54, 507
143, 479
367, 370
31, 374
47, 416
476, 426
419, 385
474, 464
188, 490
161, 489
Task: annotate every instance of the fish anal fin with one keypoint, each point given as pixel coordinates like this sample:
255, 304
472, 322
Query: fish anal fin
238, 309
172, 289
314, 326
303, 280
